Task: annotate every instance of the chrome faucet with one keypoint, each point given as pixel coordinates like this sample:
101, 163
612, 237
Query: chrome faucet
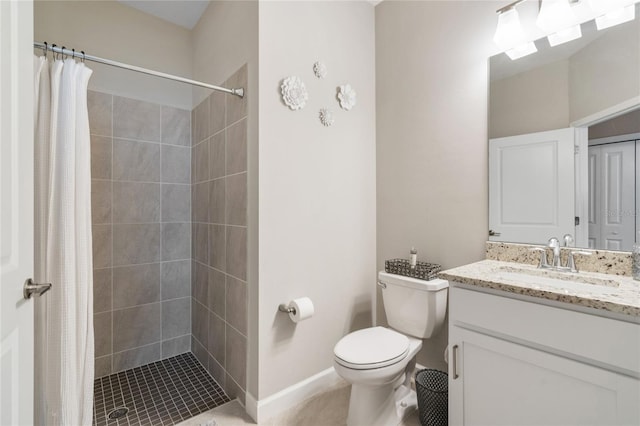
554, 244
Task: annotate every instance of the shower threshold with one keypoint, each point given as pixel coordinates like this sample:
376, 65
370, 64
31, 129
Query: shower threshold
161, 393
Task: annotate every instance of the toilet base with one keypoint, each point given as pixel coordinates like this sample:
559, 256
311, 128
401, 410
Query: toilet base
380, 405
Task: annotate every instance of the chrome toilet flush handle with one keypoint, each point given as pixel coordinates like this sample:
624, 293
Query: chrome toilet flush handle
382, 285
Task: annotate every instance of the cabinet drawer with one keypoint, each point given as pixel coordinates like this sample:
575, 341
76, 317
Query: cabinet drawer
604, 342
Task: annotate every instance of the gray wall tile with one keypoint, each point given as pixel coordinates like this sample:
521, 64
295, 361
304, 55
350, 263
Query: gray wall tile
102, 290
135, 327
217, 162
217, 248
101, 152
177, 346
102, 366
136, 357
100, 109
236, 199
236, 262
199, 351
135, 119
176, 241
136, 202
200, 290
176, 126
199, 322
217, 200
201, 152
217, 112
202, 122
217, 371
217, 341
201, 237
176, 203
236, 355
237, 107
236, 148
193, 128
176, 318
201, 202
217, 292
176, 164
237, 304
102, 240
133, 244
136, 161
176, 279
136, 285
102, 334
234, 390
100, 201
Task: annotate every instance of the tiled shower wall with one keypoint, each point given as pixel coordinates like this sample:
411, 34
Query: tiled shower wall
141, 209
219, 272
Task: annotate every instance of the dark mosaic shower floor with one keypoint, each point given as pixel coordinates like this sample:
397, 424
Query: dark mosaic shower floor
161, 393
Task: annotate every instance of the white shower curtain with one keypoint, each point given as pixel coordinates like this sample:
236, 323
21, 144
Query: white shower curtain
63, 255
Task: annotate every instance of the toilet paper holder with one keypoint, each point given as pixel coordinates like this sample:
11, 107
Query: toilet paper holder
286, 309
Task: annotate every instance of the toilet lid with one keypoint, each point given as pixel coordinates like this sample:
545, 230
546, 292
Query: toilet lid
373, 347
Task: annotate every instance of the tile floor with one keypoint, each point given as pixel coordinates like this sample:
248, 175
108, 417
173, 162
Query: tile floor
328, 408
165, 392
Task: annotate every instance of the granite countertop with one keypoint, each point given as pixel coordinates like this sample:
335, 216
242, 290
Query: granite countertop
618, 294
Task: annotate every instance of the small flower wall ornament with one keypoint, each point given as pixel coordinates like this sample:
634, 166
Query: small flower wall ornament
326, 117
347, 97
294, 93
320, 69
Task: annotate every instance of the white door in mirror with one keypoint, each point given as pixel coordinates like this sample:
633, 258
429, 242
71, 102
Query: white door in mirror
531, 186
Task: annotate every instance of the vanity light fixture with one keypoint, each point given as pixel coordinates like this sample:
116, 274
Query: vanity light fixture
619, 15
557, 19
509, 34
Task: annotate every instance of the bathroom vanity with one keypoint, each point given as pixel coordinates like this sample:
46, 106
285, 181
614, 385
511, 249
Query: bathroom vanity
527, 347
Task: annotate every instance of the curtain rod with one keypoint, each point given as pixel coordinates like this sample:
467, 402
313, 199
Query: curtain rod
52, 47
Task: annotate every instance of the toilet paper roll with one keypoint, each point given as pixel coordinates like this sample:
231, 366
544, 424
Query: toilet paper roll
303, 309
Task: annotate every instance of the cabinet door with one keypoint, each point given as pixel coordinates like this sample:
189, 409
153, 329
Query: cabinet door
504, 383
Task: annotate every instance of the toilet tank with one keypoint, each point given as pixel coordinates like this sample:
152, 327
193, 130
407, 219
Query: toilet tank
414, 307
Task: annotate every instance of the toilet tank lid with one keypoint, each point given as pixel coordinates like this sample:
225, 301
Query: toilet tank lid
431, 285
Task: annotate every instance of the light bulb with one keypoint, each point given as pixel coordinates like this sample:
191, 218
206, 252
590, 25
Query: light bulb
509, 32
555, 15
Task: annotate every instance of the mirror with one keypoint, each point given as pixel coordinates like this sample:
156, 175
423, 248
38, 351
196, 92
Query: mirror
592, 85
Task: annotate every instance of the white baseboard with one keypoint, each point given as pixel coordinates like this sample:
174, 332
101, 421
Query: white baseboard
261, 410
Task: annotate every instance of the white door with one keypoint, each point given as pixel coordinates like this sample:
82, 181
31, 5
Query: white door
612, 193
531, 186
16, 212
503, 383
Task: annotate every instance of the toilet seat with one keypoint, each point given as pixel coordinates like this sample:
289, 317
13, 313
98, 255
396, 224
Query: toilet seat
371, 348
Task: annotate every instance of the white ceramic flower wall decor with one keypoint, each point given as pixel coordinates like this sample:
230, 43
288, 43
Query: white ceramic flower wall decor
326, 117
294, 93
347, 97
320, 69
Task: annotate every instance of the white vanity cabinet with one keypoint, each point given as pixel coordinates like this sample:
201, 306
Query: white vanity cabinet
517, 362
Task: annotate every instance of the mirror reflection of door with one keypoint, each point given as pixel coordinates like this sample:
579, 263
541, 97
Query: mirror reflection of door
531, 186
614, 155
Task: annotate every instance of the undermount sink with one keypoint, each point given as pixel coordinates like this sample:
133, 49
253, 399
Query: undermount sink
565, 280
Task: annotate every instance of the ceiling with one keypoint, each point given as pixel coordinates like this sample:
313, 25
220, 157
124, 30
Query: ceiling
185, 13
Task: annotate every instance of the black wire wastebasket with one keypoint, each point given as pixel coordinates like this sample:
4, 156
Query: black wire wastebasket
432, 389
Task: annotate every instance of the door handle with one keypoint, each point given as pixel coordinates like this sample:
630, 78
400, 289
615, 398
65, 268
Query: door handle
31, 288
454, 356
493, 233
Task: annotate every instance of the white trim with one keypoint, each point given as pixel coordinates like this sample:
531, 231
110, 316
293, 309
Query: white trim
615, 139
581, 186
261, 410
605, 114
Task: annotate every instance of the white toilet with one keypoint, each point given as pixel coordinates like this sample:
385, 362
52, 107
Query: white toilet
379, 361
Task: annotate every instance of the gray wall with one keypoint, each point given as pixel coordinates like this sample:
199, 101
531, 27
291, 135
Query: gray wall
219, 194
140, 165
431, 91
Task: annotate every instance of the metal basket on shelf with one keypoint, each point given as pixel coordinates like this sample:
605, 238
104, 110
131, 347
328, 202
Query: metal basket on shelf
422, 270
